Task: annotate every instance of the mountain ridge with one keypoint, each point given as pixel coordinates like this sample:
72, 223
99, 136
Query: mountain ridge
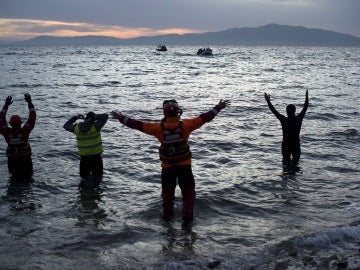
269, 34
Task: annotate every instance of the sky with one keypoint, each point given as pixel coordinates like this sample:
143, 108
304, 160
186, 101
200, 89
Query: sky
25, 19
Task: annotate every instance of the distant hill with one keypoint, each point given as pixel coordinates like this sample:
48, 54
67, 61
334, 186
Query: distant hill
270, 34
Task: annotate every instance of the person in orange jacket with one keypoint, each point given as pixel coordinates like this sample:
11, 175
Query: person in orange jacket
174, 152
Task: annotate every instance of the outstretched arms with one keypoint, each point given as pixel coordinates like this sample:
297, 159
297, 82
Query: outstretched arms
136, 124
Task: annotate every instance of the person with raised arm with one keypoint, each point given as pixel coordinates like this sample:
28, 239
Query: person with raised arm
174, 151
291, 126
17, 137
89, 143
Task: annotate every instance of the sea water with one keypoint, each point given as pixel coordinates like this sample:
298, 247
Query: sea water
250, 212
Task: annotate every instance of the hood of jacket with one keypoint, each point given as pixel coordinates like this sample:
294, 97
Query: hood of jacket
85, 126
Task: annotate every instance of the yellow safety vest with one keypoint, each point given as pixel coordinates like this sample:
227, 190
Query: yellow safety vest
89, 143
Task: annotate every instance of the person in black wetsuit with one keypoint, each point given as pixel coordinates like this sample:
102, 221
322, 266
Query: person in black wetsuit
89, 142
291, 126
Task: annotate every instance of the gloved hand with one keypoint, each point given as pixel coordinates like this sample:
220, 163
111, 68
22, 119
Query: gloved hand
8, 101
27, 98
115, 114
224, 103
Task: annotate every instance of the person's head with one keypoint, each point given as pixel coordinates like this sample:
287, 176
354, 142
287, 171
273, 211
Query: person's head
171, 108
90, 116
15, 121
290, 109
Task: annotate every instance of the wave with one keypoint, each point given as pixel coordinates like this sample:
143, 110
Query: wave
348, 135
324, 116
328, 249
31, 86
332, 249
270, 70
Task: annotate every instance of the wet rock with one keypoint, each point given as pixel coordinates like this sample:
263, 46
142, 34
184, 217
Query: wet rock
333, 257
343, 264
213, 264
293, 253
281, 265
324, 263
307, 259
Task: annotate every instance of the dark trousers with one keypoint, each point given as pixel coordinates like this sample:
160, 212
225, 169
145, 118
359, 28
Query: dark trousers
185, 178
91, 166
21, 167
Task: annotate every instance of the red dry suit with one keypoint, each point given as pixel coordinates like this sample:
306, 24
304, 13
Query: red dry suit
18, 150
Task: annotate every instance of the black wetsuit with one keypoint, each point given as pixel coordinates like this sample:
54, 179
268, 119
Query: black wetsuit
291, 126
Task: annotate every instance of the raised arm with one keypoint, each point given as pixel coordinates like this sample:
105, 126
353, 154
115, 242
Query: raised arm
30, 123
271, 107
306, 104
127, 121
69, 125
100, 120
3, 123
208, 116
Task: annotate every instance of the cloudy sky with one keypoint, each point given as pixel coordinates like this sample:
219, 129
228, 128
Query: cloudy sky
23, 19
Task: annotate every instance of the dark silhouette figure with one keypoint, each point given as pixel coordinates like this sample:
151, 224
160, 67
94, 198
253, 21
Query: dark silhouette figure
174, 151
291, 126
17, 137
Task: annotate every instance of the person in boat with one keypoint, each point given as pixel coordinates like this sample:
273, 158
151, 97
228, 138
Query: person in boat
174, 151
161, 47
17, 137
291, 126
204, 51
89, 142
200, 51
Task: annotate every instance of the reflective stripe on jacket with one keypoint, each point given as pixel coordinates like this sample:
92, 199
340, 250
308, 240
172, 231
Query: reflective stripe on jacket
89, 143
174, 147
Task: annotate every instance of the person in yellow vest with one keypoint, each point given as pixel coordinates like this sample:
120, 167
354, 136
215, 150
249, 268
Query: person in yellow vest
89, 142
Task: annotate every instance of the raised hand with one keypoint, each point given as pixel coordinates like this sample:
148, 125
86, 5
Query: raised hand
8, 101
224, 103
27, 98
267, 97
115, 114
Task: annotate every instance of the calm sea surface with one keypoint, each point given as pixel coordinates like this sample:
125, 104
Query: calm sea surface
250, 213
